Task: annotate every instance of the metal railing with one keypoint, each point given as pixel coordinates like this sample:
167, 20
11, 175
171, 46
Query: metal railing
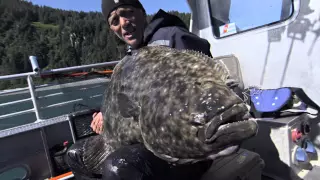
40, 123
37, 72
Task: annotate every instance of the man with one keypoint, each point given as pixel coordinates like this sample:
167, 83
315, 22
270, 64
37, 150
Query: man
127, 19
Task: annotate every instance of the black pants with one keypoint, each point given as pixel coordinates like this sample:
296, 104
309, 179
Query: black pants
134, 162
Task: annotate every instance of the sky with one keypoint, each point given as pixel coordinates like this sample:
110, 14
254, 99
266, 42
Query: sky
245, 13
151, 6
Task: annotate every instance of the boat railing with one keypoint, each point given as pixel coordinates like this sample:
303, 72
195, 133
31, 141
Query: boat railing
31, 87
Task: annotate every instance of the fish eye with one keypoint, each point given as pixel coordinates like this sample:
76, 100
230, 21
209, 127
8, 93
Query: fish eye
197, 83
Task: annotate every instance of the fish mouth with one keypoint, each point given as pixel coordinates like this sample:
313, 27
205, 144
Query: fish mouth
231, 126
235, 131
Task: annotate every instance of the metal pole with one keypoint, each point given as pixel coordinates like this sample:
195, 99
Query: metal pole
60, 70
17, 76
47, 150
33, 97
75, 68
72, 130
34, 64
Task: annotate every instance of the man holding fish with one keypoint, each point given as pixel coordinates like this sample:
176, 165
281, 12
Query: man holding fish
144, 156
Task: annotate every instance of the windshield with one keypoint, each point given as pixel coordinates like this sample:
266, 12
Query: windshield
230, 17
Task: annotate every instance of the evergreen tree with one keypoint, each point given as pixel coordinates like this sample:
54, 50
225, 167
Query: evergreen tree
58, 38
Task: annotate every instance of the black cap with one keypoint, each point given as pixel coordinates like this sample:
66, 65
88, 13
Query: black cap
109, 5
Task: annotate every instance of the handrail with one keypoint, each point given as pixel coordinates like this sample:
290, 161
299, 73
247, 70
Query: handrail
40, 122
74, 68
59, 70
37, 72
17, 76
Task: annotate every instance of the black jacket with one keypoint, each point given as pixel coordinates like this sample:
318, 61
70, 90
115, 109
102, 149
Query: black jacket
169, 30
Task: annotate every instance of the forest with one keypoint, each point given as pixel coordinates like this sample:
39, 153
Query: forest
59, 38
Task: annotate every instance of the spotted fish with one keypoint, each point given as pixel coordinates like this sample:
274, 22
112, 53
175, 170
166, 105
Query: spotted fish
177, 103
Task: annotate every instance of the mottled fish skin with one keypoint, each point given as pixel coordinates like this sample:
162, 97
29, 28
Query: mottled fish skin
174, 101
122, 129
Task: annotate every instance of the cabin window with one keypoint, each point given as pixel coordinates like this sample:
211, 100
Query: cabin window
229, 17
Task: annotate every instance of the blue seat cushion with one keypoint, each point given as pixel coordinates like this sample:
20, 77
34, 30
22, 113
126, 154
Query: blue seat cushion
269, 100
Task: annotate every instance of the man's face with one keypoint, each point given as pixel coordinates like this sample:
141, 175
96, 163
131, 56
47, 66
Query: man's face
128, 24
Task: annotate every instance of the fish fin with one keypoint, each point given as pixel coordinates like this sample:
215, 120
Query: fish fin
127, 107
220, 69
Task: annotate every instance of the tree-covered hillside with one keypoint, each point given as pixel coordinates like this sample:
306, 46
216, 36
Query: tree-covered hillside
57, 37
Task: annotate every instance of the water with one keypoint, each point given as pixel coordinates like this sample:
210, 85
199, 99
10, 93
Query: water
76, 96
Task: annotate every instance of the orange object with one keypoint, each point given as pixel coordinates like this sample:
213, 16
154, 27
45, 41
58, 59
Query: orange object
296, 135
77, 74
225, 29
105, 72
61, 176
